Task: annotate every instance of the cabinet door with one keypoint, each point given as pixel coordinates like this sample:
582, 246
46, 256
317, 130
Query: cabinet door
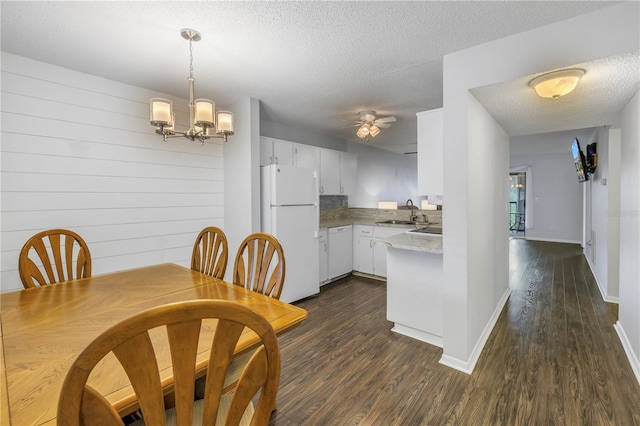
282, 152
329, 172
430, 156
380, 250
348, 172
363, 255
363, 248
324, 256
340, 251
306, 156
266, 151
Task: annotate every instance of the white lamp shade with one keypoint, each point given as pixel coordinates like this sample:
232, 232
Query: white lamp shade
374, 131
204, 113
363, 131
224, 123
556, 84
169, 127
161, 111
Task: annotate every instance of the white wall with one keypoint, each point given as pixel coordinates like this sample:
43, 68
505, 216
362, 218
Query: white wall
284, 132
78, 152
603, 251
242, 177
487, 282
628, 325
557, 193
384, 176
584, 38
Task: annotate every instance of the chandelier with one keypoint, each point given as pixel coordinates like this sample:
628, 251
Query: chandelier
203, 118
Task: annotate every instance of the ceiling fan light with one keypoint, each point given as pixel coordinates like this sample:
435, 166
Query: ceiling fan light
374, 131
367, 116
363, 131
557, 83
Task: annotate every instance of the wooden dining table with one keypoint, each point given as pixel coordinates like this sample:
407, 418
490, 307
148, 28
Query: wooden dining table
44, 328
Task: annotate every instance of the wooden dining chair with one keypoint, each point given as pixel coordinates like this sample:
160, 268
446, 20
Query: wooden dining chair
53, 256
260, 265
210, 252
130, 342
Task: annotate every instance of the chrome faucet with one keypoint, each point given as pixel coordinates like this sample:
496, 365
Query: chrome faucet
409, 204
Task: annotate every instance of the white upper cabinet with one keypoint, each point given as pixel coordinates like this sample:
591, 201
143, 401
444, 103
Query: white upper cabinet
430, 148
306, 156
283, 152
329, 172
338, 172
276, 151
348, 172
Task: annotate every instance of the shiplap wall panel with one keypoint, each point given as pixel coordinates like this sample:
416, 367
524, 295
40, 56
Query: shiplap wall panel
19, 143
78, 166
23, 182
71, 218
14, 124
121, 235
78, 152
27, 202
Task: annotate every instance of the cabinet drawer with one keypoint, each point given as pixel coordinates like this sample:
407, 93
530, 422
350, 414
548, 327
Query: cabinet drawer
362, 231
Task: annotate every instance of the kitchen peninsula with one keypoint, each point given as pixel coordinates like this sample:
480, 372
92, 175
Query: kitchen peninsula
414, 285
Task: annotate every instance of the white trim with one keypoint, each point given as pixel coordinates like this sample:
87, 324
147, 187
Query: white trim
429, 338
553, 240
470, 364
456, 363
633, 359
603, 293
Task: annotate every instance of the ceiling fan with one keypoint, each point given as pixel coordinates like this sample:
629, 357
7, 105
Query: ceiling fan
369, 125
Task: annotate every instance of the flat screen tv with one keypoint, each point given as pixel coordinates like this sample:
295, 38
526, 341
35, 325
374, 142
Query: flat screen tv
579, 161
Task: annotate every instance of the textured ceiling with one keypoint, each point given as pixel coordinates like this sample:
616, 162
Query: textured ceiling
312, 64
603, 92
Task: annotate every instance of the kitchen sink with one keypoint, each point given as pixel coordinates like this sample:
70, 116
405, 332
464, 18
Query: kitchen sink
429, 230
398, 222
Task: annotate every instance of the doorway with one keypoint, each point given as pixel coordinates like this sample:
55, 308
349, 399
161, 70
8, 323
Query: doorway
517, 204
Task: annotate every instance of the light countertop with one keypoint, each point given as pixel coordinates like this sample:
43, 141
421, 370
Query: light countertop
332, 223
428, 243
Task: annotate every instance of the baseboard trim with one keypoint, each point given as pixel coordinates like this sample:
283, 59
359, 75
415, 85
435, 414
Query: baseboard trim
605, 297
423, 336
552, 240
468, 366
365, 275
631, 356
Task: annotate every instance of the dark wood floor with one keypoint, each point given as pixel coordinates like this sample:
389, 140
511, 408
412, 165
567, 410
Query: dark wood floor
553, 357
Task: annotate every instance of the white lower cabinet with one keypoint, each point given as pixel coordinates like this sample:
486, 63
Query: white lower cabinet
340, 251
363, 248
324, 256
369, 257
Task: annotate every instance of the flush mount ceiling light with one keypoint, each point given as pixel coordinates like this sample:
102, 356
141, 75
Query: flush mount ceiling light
201, 111
557, 83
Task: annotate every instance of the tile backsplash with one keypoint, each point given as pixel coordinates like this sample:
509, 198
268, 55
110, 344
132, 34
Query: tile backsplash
334, 207
330, 202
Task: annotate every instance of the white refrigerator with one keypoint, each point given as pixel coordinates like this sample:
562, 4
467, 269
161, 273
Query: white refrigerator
290, 212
